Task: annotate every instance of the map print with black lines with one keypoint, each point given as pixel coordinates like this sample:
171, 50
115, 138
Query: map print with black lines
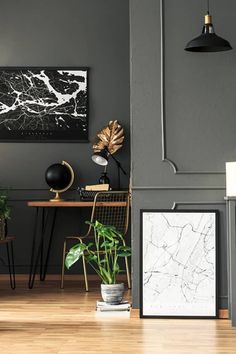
43, 104
179, 264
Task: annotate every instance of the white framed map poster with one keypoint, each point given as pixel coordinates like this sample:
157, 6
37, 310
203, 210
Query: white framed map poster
44, 104
179, 263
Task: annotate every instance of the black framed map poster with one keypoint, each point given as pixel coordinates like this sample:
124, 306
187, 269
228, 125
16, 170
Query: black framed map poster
179, 263
43, 104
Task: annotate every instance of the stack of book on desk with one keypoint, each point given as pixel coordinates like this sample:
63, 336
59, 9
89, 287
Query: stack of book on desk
104, 307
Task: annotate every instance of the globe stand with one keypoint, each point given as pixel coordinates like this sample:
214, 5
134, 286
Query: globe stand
57, 197
60, 178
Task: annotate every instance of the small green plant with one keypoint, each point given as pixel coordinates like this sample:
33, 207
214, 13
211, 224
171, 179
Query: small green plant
102, 254
5, 210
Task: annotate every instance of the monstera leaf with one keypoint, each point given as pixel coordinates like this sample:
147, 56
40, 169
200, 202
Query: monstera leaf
110, 137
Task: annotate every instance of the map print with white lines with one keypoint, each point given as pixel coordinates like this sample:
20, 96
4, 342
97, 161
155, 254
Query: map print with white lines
43, 103
179, 264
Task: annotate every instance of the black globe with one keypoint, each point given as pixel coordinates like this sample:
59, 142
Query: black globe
58, 176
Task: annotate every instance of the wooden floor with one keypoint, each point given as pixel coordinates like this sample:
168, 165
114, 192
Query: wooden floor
49, 320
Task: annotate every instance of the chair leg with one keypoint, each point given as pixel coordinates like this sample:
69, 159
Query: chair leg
63, 265
85, 272
127, 272
127, 269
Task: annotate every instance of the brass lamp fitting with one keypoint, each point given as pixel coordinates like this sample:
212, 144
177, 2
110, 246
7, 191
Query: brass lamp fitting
208, 19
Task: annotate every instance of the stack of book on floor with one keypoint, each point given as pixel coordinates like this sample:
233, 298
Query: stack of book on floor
104, 307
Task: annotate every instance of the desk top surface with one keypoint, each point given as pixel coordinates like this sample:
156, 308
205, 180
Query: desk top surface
72, 203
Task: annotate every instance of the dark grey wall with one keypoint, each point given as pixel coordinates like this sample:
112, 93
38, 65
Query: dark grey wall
200, 115
64, 33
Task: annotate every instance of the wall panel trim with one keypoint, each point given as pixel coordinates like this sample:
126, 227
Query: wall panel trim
163, 106
175, 204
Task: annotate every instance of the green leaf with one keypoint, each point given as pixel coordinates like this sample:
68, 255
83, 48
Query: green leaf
89, 223
124, 248
74, 254
105, 244
90, 244
91, 258
102, 261
97, 224
116, 268
4, 208
123, 254
111, 244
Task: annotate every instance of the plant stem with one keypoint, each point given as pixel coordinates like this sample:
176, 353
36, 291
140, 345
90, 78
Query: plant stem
98, 273
106, 256
115, 264
96, 236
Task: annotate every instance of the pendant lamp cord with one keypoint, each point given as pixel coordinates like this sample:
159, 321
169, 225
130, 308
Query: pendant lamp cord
208, 6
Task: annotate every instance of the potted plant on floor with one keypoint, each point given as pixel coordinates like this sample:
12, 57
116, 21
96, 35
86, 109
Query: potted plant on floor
4, 215
103, 255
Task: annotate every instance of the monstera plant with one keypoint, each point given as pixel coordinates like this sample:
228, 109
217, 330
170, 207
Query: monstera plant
103, 255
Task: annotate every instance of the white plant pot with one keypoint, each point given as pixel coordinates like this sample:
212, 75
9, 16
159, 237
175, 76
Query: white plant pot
112, 293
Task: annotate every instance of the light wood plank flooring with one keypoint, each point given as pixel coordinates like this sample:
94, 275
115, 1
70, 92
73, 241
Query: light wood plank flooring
49, 320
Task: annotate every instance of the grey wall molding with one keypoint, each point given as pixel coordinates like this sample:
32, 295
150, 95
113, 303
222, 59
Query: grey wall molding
175, 204
163, 106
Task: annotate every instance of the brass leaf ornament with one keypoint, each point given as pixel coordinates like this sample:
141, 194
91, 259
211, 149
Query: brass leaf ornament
110, 137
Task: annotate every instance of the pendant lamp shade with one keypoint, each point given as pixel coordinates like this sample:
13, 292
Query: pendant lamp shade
208, 41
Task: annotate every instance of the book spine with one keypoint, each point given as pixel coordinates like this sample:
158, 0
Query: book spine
111, 310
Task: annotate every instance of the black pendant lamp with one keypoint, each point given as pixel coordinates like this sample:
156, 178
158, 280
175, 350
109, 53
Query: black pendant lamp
208, 41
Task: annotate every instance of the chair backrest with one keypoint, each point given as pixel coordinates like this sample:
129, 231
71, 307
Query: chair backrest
116, 213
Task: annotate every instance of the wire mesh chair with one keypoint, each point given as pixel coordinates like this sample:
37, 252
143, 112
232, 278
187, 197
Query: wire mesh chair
115, 213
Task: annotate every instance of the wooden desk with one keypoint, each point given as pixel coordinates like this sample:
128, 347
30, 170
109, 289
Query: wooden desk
74, 204
44, 224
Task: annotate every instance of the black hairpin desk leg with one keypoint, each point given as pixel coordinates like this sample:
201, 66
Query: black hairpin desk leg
52, 226
31, 273
37, 255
